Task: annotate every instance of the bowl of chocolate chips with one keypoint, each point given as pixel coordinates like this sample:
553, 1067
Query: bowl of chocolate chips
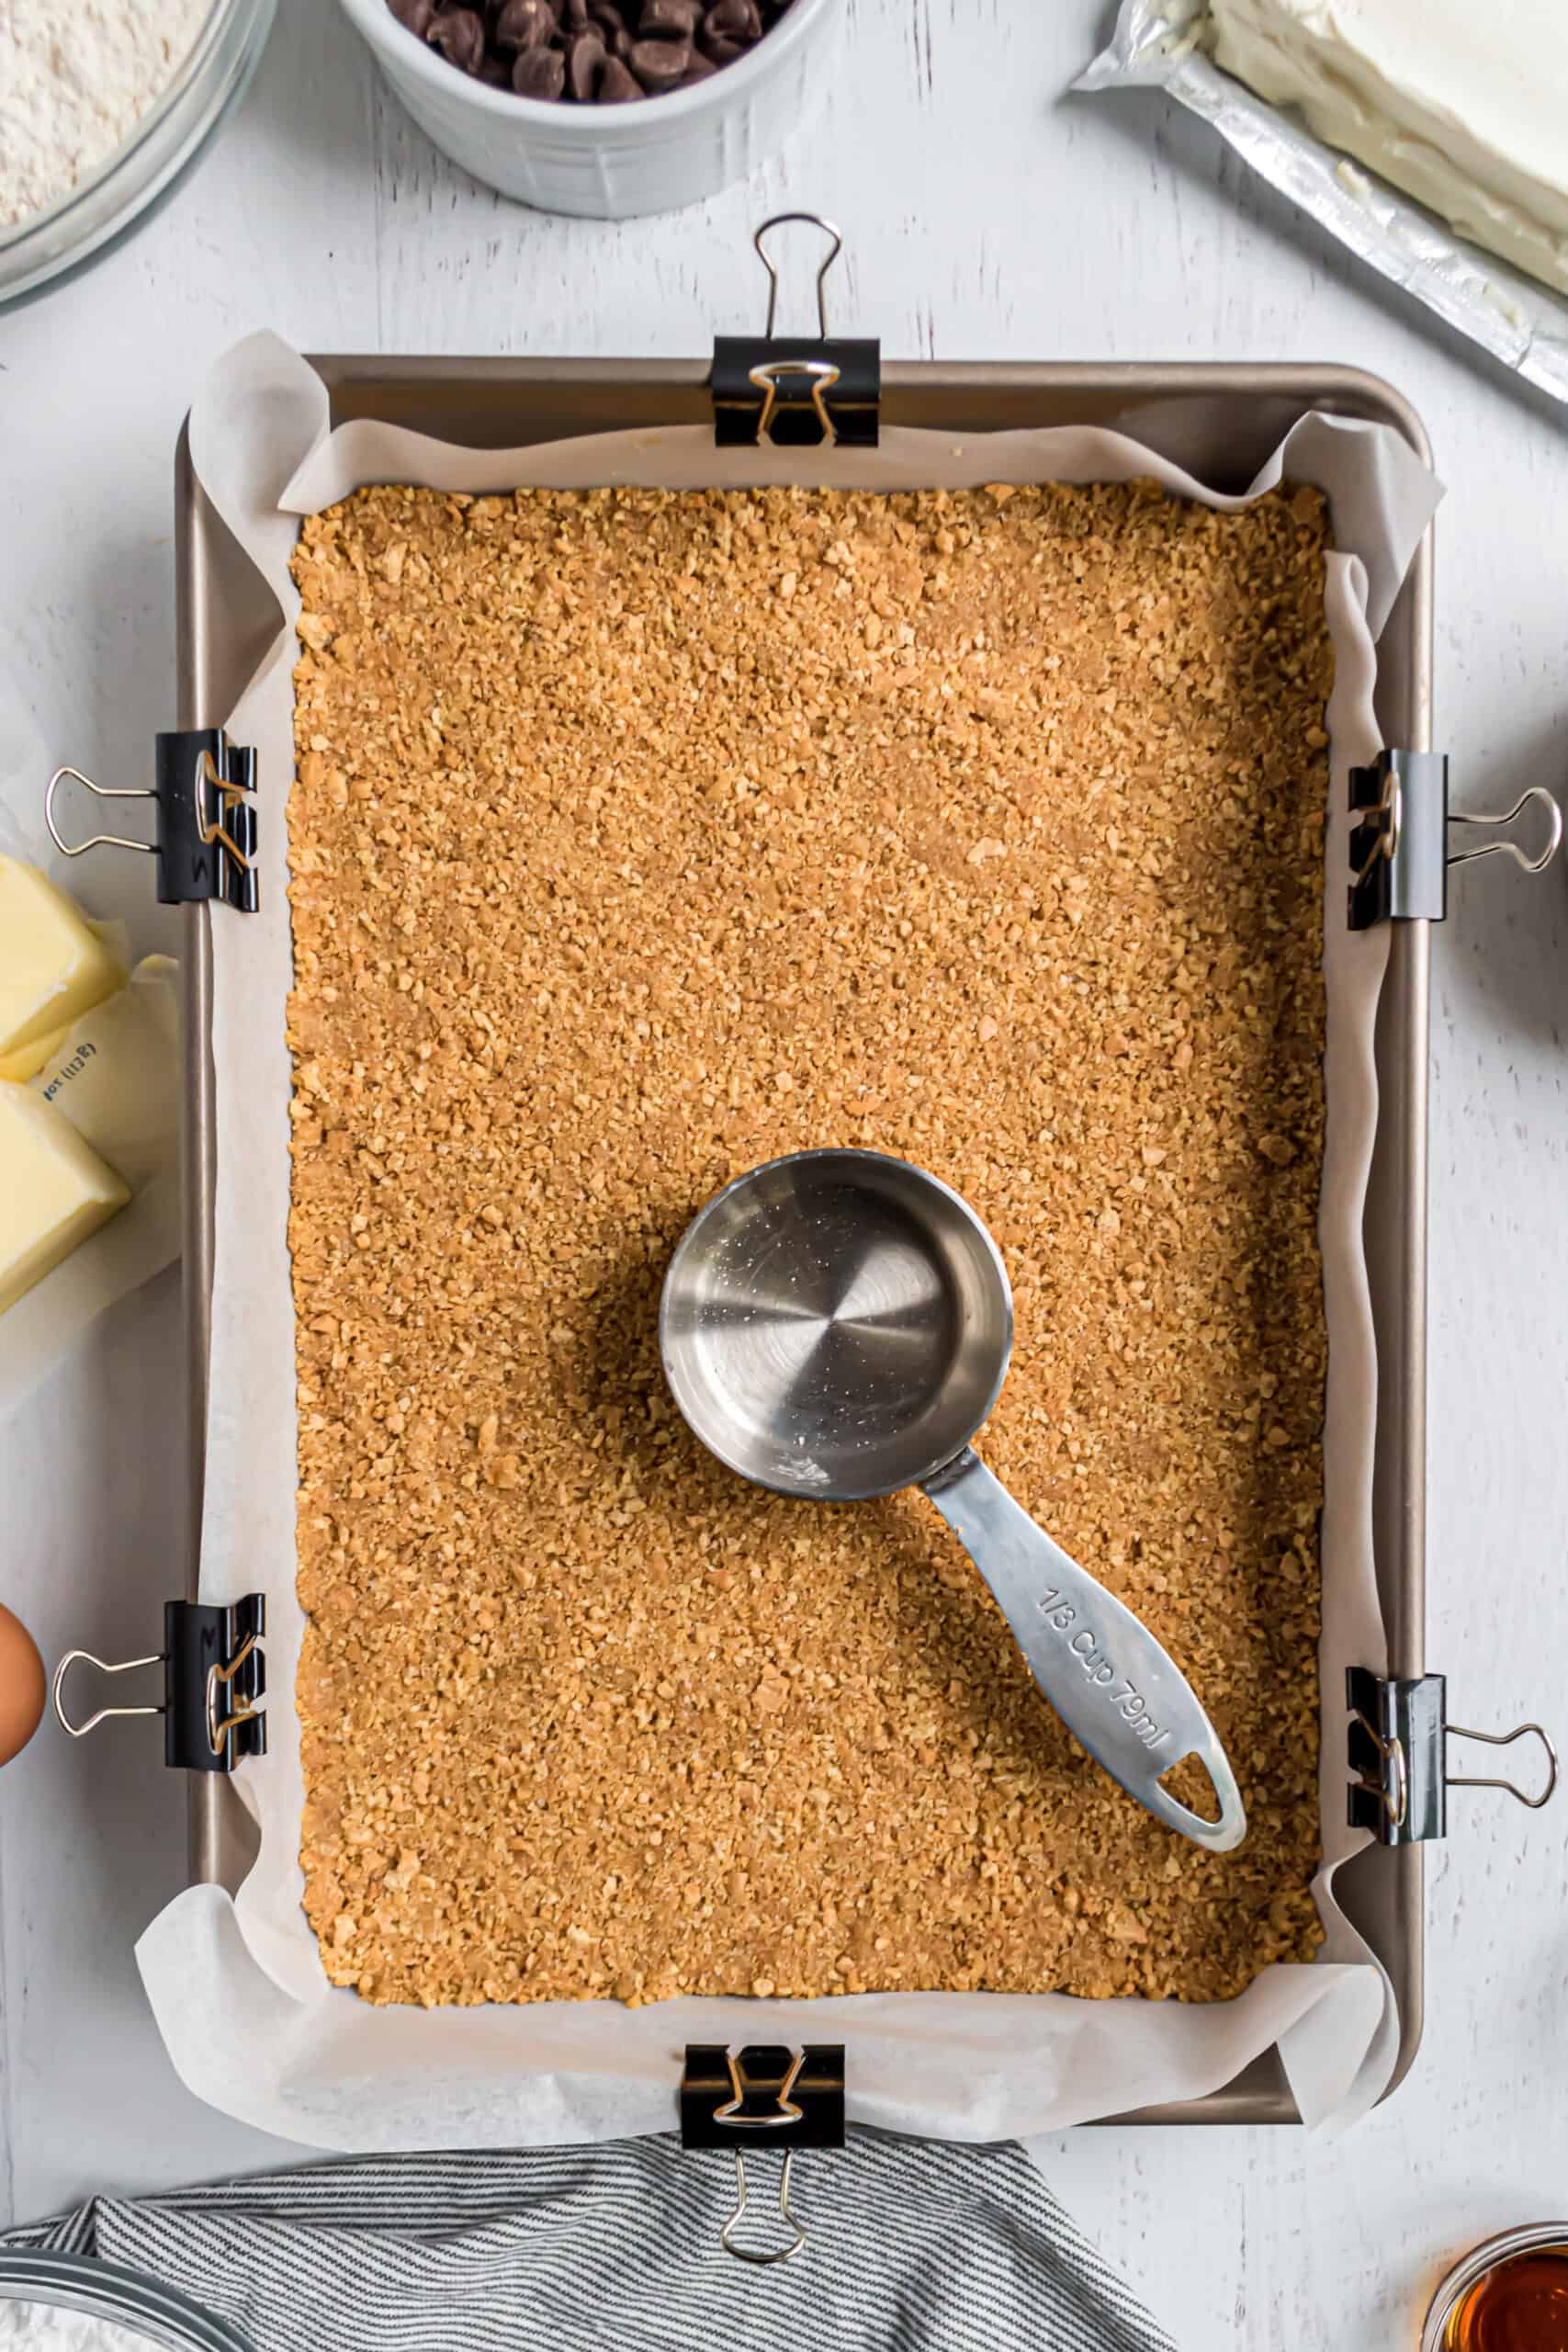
607, 108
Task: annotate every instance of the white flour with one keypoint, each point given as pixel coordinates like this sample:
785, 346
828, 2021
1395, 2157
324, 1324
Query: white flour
75, 77
42, 2328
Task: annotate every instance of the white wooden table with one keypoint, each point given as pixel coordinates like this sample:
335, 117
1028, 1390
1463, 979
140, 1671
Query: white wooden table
988, 217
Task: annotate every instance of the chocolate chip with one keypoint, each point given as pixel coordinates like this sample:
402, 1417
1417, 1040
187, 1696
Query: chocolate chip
668, 20
585, 61
415, 13
660, 64
617, 84
459, 35
591, 51
524, 24
539, 73
734, 20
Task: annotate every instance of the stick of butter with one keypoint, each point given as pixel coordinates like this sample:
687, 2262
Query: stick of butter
55, 1190
52, 966
27, 1060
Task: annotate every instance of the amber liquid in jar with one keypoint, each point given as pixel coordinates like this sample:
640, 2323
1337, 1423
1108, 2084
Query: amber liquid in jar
1522, 2306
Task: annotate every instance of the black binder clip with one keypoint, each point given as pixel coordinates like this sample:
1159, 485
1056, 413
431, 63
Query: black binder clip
214, 1682
205, 836
1399, 837
796, 390
762, 2096
1399, 1756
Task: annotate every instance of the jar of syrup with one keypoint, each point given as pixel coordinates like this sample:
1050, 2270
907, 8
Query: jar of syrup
1508, 2295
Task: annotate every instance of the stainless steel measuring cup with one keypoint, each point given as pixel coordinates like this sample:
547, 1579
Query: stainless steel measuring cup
837, 1325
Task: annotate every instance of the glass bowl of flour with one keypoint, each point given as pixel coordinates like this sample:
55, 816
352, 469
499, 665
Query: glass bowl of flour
70, 2303
105, 104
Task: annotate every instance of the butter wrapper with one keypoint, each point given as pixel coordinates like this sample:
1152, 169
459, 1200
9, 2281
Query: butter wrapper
115, 1076
1160, 44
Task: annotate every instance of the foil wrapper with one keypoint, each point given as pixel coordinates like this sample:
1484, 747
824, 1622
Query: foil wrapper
1520, 321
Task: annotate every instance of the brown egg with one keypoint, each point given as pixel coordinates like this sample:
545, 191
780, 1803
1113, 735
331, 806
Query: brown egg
21, 1686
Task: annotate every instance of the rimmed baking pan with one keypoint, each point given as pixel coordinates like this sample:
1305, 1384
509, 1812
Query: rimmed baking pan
1218, 422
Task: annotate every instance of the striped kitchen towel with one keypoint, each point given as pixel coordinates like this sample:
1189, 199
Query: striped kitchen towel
911, 2246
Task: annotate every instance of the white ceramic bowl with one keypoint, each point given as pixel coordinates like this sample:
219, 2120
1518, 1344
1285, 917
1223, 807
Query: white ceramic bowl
610, 162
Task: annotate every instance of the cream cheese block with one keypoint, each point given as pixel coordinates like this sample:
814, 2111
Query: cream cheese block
52, 966
1463, 107
55, 1190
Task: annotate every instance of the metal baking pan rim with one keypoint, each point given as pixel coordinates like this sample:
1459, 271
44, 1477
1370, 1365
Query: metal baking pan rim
602, 393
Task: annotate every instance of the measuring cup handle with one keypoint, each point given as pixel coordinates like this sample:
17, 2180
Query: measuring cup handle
1113, 1686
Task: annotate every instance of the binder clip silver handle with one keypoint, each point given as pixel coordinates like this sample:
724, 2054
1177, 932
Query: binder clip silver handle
97, 840
822, 375
103, 1666
1506, 1739
763, 2257
836, 246
1547, 803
